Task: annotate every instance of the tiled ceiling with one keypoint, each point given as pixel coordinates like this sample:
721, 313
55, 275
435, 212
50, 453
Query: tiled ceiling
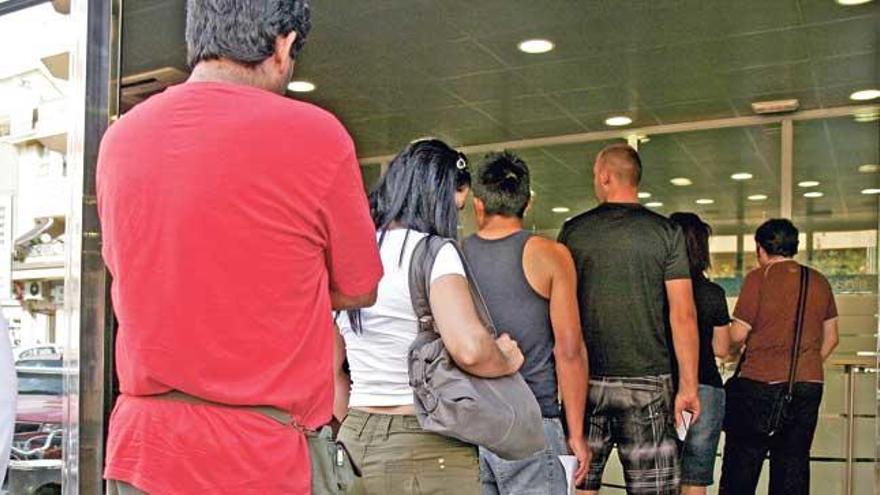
394, 70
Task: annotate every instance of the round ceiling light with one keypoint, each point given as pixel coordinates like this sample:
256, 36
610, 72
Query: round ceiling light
757, 197
808, 183
301, 86
644, 195
618, 120
814, 194
852, 2
654, 204
869, 168
561, 209
871, 191
865, 95
535, 46
681, 181
705, 201
862, 116
741, 176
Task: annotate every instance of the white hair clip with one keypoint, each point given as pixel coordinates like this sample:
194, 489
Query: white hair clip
461, 164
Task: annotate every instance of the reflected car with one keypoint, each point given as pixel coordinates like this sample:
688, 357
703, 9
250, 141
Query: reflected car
36, 351
47, 361
35, 464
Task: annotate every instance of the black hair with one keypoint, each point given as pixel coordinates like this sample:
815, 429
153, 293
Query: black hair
418, 189
778, 237
503, 185
696, 237
243, 31
417, 192
626, 154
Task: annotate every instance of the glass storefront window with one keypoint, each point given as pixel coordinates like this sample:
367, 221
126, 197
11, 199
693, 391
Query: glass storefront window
35, 201
730, 177
835, 205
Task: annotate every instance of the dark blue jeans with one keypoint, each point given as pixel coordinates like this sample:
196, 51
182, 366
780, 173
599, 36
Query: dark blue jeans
746, 447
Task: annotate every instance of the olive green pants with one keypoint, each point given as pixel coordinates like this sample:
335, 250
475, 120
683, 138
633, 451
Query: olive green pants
396, 456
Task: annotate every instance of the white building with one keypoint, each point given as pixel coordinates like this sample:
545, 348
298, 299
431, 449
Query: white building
34, 190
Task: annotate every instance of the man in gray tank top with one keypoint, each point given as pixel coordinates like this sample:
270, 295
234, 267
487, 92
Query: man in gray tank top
529, 284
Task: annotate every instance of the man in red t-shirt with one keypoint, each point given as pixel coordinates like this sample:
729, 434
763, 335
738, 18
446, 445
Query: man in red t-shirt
234, 221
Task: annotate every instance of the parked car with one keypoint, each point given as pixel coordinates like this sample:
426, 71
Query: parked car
47, 361
35, 464
35, 351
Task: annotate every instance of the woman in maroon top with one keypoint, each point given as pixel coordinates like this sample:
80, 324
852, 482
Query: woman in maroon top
765, 320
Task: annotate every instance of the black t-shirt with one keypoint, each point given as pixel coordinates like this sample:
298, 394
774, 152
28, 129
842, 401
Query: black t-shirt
711, 312
624, 254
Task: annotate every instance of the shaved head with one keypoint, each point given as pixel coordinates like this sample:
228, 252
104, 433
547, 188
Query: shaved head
617, 173
623, 161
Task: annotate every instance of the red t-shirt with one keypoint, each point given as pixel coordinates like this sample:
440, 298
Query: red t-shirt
228, 213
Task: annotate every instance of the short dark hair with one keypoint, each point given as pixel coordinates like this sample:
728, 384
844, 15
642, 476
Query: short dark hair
696, 238
503, 184
243, 31
623, 154
778, 237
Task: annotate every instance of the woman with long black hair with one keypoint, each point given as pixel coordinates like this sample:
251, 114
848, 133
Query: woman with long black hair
420, 194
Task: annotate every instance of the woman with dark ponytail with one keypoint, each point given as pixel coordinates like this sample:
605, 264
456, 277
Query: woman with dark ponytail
419, 195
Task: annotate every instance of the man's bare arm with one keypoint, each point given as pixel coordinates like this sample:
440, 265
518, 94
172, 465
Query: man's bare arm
685, 339
572, 369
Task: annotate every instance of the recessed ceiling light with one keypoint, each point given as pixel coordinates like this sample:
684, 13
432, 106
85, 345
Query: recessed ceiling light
561, 209
618, 120
705, 201
681, 181
644, 195
535, 46
808, 183
741, 176
654, 204
862, 116
814, 194
871, 191
301, 86
865, 95
757, 197
852, 2
869, 168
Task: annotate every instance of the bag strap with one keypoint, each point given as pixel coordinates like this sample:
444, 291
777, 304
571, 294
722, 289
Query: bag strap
278, 415
798, 330
421, 266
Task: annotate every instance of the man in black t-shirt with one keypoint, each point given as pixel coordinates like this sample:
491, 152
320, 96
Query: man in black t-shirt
630, 261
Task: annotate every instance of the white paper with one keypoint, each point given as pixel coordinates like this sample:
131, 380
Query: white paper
570, 464
683, 427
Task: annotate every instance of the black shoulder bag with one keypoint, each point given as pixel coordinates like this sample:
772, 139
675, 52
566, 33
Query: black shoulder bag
757, 407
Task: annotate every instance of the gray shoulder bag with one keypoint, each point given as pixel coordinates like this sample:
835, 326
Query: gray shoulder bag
500, 414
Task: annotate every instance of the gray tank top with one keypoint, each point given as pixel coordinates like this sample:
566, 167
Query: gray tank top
517, 310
